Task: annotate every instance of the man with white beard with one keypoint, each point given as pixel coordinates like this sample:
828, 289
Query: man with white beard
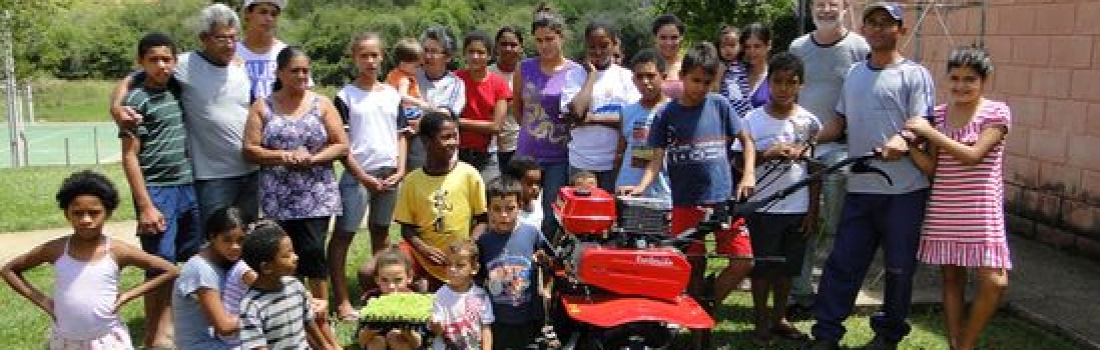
827, 53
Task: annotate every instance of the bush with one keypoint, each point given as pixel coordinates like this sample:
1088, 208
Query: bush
705, 17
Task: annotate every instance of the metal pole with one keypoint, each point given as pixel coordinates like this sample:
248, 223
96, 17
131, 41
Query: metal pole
26, 150
981, 33
68, 160
8, 57
30, 103
916, 32
18, 106
95, 143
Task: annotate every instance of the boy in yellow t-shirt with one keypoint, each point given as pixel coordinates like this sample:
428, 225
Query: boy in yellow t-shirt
441, 203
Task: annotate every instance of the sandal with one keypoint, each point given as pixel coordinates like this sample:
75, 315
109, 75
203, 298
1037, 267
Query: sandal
350, 317
787, 331
550, 338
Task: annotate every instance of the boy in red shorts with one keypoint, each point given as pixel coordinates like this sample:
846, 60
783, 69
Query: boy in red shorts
693, 134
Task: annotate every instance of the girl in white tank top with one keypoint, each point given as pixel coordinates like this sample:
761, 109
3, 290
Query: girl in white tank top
85, 301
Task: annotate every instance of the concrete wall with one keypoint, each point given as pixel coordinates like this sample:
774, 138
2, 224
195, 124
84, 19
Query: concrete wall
1047, 67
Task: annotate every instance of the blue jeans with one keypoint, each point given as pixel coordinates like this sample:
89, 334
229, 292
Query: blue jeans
182, 235
242, 192
554, 176
868, 221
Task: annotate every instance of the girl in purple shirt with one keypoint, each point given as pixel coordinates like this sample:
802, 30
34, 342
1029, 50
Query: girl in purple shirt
544, 133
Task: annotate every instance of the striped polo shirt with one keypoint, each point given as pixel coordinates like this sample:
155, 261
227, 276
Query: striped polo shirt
163, 153
275, 319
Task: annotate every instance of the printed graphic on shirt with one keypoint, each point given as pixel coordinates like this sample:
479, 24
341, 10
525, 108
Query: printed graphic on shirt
540, 124
697, 151
411, 112
609, 110
440, 209
508, 279
460, 321
641, 153
262, 73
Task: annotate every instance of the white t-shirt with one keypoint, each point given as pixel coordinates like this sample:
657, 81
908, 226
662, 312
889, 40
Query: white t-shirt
215, 102
592, 147
766, 130
533, 217
462, 316
261, 67
374, 121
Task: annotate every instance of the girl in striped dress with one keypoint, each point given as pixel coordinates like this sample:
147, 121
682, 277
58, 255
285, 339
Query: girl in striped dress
964, 226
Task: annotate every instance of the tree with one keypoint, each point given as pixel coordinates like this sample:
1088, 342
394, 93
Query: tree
96, 38
705, 17
30, 23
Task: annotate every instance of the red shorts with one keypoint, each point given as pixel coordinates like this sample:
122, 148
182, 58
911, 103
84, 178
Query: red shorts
418, 270
733, 241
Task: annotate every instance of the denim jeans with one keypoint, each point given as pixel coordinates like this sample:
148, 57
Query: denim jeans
554, 176
868, 221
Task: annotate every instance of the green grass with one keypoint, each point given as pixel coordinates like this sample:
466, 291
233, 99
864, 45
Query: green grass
24, 327
72, 100
29, 192
32, 206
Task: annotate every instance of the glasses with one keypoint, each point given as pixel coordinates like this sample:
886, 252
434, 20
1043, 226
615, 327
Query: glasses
434, 53
223, 37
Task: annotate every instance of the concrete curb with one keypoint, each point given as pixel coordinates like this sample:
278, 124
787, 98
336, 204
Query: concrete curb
1049, 325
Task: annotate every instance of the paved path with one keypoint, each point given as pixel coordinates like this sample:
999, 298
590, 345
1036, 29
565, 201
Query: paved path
12, 244
1053, 289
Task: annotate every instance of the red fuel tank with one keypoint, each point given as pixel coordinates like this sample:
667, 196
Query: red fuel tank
590, 211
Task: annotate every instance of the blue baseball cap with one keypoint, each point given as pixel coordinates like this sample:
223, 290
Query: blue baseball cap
891, 8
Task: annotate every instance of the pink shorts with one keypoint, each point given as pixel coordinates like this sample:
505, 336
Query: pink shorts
118, 338
733, 241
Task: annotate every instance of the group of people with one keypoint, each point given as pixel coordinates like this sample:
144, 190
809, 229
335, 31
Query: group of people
468, 163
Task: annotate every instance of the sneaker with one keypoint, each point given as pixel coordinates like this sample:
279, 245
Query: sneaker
821, 344
880, 343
